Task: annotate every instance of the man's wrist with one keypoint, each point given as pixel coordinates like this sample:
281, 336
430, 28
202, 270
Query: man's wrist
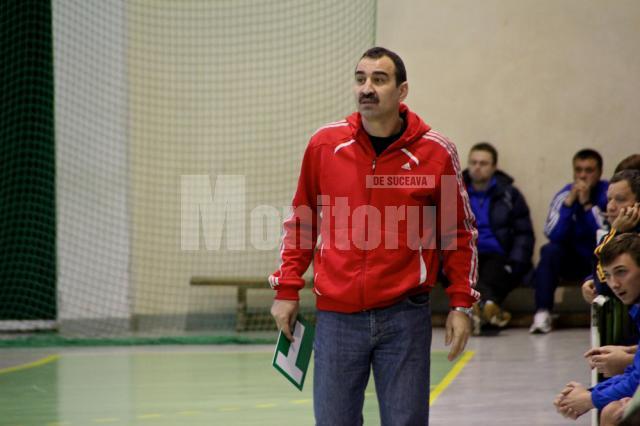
589, 401
467, 311
287, 294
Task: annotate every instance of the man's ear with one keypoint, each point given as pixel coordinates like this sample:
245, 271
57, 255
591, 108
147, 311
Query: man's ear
404, 91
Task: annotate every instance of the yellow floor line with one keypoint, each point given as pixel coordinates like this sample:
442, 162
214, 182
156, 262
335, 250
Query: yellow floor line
190, 413
457, 368
266, 405
37, 363
150, 416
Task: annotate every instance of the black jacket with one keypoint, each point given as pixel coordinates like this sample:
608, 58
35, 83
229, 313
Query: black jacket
510, 221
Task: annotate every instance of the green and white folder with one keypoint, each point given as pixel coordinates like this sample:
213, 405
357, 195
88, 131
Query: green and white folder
292, 359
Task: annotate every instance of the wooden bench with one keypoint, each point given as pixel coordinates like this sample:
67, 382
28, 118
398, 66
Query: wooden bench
573, 312
242, 285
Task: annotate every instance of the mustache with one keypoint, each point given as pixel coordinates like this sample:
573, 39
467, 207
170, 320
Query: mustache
368, 97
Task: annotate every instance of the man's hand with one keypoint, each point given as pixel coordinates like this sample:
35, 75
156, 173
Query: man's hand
627, 219
609, 360
566, 412
582, 192
573, 401
458, 329
572, 197
285, 313
589, 291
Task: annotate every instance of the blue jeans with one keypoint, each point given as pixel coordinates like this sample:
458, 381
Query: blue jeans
395, 342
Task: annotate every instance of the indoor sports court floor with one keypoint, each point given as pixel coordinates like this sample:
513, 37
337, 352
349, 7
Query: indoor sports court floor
509, 379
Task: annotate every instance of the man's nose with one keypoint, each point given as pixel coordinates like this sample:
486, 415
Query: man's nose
613, 283
366, 87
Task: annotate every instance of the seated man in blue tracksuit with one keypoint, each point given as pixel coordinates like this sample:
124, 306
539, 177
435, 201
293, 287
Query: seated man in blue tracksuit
622, 216
575, 215
505, 234
620, 260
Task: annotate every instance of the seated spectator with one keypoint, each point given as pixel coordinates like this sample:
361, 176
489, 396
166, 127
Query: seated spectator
575, 215
632, 162
621, 263
623, 215
505, 234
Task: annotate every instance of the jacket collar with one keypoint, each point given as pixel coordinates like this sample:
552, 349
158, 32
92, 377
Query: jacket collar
413, 132
500, 181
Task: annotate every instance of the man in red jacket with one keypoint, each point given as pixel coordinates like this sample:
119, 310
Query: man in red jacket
380, 201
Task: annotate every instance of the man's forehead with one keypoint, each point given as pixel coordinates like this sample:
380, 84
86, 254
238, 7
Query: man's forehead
585, 162
622, 186
624, 260
382, 65
480, 154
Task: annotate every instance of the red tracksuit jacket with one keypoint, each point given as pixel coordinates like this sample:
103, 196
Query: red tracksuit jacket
377, 227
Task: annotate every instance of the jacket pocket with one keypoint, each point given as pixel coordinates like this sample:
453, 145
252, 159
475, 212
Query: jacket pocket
419, 300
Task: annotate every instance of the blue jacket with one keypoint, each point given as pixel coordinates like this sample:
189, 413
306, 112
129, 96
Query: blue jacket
481, 206
622, 385
510, 221
573, 225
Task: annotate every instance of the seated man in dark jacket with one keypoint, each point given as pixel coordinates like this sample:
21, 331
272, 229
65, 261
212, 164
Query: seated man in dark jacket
505, 234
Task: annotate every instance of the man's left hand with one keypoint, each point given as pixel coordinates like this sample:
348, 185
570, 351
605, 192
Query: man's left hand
627, 219
576, 401
458, 329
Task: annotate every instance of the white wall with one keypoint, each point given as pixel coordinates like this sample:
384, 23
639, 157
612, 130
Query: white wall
147, 92
539, 79
226, 88
91, 159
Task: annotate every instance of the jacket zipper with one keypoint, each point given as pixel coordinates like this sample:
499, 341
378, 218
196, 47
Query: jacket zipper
364, 259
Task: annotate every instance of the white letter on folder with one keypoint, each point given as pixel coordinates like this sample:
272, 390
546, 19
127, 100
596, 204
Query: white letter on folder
288, 363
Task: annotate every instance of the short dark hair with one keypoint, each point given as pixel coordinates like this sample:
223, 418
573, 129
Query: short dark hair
486, 146
586, 154
378, 52
633, 179
628, 243
632, 162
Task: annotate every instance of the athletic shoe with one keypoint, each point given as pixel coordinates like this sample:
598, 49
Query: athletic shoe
541, 323
493, 315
